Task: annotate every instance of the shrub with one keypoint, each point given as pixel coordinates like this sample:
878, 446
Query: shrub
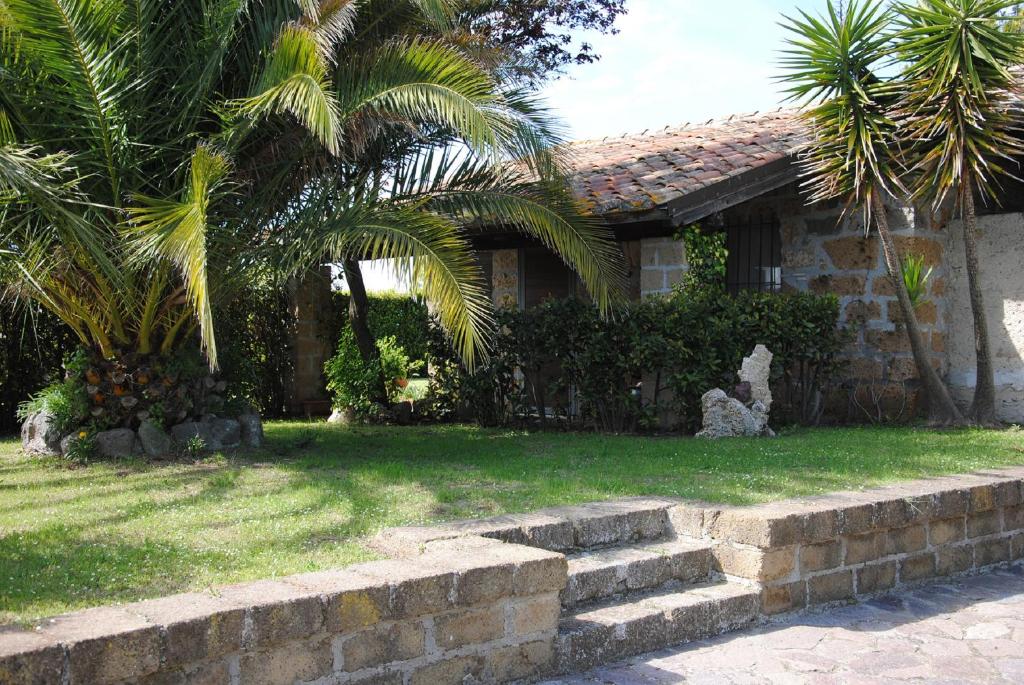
352, 382
653, 360
397, 315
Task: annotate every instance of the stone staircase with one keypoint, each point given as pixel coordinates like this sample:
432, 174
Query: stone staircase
637, 596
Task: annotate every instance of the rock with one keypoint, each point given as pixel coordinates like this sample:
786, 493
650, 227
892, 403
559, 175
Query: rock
116, 444
225, 432
726, 417
401, 412
252, 430
216, 434
756, 370
39, 435
342, 417
155, 441
65, 444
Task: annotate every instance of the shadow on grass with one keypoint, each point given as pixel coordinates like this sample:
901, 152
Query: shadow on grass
308, 500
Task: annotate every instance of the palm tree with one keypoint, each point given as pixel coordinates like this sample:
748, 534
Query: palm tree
832, 62
153, 154
960, 125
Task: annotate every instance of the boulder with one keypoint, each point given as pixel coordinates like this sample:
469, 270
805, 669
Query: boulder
217, 434
401, 413
756, 370
746, 414
252, 430
155, 441
342, 417
116, 444
65, 444
39, 435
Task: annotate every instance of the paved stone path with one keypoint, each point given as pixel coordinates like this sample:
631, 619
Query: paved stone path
963, 631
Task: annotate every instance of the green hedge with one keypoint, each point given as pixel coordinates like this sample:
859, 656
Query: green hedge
651, 362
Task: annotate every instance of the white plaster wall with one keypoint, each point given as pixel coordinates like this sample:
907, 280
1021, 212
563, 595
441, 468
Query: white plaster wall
1001, 252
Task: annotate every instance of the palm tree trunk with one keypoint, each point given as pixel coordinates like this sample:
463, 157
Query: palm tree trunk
358, 317
983, 408
941, 409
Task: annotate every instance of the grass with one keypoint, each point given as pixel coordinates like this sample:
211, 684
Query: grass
76, 537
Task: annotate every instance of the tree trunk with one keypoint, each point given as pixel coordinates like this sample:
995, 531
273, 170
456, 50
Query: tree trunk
983, 408
358, 317
941, 409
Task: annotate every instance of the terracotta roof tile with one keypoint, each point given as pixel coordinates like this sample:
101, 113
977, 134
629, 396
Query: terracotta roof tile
639, 172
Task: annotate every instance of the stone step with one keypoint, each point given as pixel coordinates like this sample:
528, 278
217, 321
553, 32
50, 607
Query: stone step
597, 634
614, 571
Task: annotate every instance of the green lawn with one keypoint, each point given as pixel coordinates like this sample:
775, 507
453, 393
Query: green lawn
71, 538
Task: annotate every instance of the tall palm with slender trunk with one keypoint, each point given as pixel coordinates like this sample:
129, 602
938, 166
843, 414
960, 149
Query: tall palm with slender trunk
960, 127
832, 62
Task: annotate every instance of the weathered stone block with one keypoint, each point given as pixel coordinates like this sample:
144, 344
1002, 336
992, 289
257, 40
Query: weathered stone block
473, 626
455, 671
757, 526
386, 678
522, 661
277, 611
29, 658
945, 531
852, 253
820, 556
908, 539
950, 503
1013, 518
106, 644
782, 598
540, 575
581, 645
536, 615
832, 587
985, 523
857, 518
416, 589
1007, 492
990, 552
300, 660
866, 547
383, 644
917, 567
352, 601
1017, 546
823, 525
686, 519
954, 559
755, 564
876, 577
198, 626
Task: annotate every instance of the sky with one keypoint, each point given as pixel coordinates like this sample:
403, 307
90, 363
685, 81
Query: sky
672, 62
677, 61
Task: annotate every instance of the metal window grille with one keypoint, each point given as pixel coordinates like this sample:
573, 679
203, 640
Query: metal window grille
755, 252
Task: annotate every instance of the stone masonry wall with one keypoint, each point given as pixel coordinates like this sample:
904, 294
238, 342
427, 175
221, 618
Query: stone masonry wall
1001, 253
311, 297
488, 613
840, 547
505, 279
662, 265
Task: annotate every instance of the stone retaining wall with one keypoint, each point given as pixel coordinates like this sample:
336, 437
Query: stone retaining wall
844, 546
472, 607
478, 601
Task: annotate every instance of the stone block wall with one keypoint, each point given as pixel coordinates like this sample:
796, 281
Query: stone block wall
841, 547
467, 609
505, 279
662, 265
311, 298
1001, 253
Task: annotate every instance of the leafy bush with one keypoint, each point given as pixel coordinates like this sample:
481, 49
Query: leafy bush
396, 315
352, 382
66, 401
650, 363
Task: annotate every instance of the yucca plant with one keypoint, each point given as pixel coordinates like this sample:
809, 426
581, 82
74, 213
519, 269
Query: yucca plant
154, 155
960, 123
916, 277
832, 63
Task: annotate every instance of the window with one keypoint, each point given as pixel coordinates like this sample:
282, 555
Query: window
755, 251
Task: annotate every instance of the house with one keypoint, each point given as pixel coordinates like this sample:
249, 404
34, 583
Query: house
741, 176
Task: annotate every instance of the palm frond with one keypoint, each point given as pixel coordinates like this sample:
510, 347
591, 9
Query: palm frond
176, 230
